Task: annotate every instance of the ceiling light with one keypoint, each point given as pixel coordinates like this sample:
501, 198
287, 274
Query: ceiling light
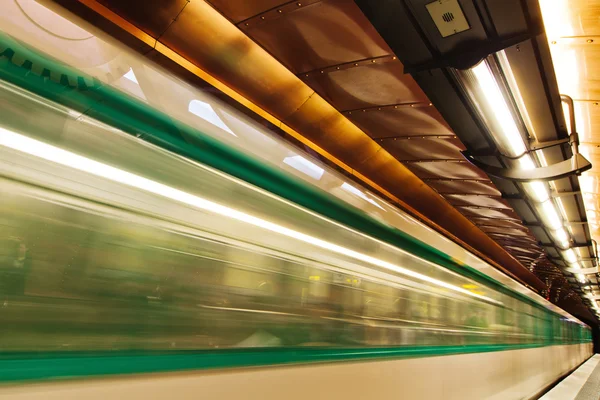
570, 256
561, 236
510, 136
581, 278
548, 213
536, 190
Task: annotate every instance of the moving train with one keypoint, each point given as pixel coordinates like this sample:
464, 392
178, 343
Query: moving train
157, 242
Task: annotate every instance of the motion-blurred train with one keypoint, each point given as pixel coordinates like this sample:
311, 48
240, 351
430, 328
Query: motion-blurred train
155, 242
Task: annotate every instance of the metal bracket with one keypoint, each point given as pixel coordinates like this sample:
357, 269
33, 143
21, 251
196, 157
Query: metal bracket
573, 166
535, 145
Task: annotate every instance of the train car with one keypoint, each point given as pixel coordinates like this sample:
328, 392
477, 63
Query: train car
156, 242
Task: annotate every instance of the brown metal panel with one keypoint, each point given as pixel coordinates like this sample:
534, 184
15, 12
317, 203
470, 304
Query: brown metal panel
316, 117
239, 10
321, 34
456, 186
452, 170
474, 200
154, 17
235, 59
418, 148
492, 213
367, 86
403, 121
493, 222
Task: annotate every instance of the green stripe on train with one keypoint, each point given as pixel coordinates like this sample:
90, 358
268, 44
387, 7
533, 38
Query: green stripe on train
27, 367
44, 76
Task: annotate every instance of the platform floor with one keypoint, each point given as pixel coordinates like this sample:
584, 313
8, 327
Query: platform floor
582, 384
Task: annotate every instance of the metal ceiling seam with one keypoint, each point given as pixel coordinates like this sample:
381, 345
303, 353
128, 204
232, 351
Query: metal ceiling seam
180, 60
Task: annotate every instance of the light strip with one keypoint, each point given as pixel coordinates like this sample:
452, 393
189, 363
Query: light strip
57, 155
501, 113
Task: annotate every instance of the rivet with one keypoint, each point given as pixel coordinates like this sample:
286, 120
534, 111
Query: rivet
430, 104
393, 58
379, 109
349, 112
356, 64
553, 42
306, 75
246, 24
279, 11
395, 106
590, 41
364, 110
372, 61
595, 103
263, 17
337, 67
299, 4
322, 71
412, 105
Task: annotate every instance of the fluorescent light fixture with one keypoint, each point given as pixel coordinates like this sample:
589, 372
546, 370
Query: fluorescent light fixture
561, 236
510, 134
306, 167
131, 76
57, 155
537, 190
359, 193
570, 256
207, 113
548, 212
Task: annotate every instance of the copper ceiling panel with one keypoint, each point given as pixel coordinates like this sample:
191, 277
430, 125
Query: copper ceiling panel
380, 82
154, 17
443, 186
454, 169
491, 213
423, 147
497, 223
229, 54
319, 35
474, 200
240, 10
390, 122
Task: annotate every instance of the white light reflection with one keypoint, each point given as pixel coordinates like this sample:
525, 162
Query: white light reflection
131, 76
359, 193
306, 167
207, 113
54, 154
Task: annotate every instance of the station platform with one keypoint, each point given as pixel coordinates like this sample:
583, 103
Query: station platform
582, 384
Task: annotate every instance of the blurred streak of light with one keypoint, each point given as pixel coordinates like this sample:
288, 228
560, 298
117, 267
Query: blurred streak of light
57, 155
